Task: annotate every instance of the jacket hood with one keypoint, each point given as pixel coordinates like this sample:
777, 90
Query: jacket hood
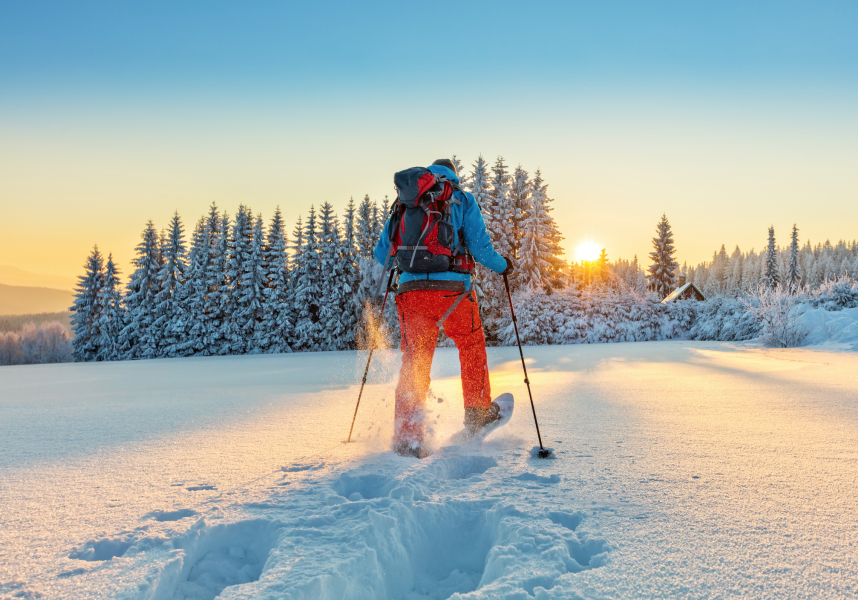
439, 170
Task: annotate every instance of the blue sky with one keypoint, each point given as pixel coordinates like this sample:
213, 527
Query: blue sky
113, 113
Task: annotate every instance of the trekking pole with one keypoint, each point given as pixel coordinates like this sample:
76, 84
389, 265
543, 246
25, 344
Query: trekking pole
543, 453
371, 350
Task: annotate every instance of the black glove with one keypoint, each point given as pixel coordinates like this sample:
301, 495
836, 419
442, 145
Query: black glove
510, 266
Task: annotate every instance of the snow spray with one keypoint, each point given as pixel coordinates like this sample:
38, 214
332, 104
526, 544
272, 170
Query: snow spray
373, 339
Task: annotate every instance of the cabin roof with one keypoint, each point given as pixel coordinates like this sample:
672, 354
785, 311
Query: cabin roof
675, 294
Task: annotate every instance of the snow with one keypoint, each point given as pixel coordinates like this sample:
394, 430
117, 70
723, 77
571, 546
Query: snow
682, 469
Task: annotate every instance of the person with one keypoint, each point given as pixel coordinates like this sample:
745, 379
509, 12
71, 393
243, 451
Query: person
422, 300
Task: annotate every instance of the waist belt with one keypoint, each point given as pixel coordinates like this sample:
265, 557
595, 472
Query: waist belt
437, 284
431, 284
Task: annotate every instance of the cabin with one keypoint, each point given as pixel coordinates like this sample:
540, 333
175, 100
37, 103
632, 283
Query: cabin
685, 291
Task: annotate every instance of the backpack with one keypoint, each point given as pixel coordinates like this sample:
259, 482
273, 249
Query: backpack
421, 232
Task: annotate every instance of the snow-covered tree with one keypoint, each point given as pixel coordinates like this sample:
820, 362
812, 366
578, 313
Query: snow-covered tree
479, 184
112, 318
192, 328
171, 278
88, 308
519, 205
771, 276
139, 335
308, 287
223, 298
364, 228
793, 277
662, 271
536, 263
276, 329
252, 296
464, 179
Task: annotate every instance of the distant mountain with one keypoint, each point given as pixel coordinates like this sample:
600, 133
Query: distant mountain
10, 275
20, 300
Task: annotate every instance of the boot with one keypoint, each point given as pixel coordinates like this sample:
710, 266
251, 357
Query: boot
407, 449
476, 418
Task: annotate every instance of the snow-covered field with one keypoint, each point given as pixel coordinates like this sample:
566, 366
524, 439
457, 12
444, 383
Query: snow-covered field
684, 469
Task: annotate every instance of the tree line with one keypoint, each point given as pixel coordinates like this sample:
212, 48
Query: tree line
243, 286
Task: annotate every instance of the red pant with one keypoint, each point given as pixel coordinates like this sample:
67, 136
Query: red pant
419, 313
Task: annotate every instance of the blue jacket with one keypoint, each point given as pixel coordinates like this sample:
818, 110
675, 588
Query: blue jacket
467, 218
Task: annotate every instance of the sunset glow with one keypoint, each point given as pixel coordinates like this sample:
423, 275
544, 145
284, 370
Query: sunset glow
586, 251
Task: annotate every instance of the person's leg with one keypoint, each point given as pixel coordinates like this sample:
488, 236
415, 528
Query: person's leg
419, 336
464, 327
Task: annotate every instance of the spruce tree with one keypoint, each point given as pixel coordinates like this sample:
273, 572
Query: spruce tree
238, 311
351, 278
771, 276
553, 251
662, 272
308, 287
252, 299
497, 215
479, 184
535, 264
171, 278
225, 298
113, 314
88, 308
192, 329
464, 180
364, 228
519, 202
139, 336
794, 269
276, 327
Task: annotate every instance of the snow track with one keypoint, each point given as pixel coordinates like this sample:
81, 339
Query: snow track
379, 535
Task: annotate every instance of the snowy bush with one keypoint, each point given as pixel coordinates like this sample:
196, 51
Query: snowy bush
595, 315
45, 343
776, 309
724, 319
836, 295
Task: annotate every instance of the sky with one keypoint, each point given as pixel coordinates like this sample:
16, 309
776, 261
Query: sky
726, 116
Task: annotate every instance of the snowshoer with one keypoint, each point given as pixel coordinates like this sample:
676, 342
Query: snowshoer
434, 232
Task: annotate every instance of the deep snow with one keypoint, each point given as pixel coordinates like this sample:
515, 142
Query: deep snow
684, 469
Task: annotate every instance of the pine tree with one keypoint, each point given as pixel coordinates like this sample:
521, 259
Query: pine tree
329, 328
794, 270
771, 276
112, 318
364, 228
252, 298
536, 253
602, 269
276, 329
171, 278
351, 277
552, 237
519, 205
224, 298
139, 336
478, 182
192, 328
464, 180
662, 277
88, 308
308, 289
497, 216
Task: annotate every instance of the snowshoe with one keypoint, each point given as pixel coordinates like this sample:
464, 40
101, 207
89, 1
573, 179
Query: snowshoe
480, 422
407, 449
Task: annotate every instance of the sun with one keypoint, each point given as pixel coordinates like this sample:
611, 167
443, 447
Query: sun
587, 251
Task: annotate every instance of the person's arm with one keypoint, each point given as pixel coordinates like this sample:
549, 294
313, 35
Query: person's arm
382, 248
477, 239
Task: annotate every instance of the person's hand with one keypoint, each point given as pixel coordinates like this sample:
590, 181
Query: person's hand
510, 266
